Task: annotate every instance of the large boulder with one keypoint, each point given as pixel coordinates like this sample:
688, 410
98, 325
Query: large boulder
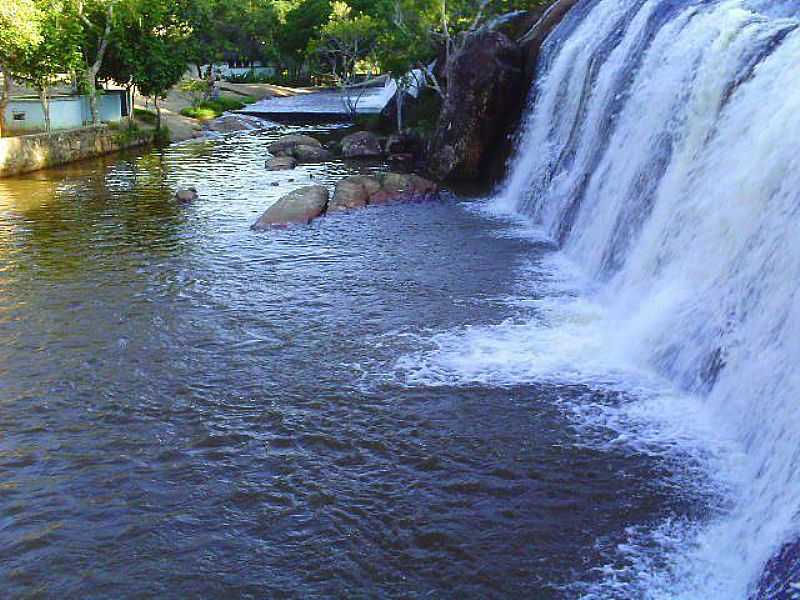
361, 145
484, 89
298, 207
396, 187
354, 192
359, 191
305, 154
303, 148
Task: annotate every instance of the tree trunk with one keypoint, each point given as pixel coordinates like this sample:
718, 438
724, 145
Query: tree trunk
44, 98
5, 98
91, 94
158, 113
131, 103
398, 98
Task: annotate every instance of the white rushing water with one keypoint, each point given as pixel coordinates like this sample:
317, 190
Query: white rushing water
661, 154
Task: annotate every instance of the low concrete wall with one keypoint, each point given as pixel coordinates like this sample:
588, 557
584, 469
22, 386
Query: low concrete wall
33, 152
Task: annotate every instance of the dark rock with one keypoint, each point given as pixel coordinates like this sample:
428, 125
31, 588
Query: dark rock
281, 163
300, 206
487, 83
185, 196
402, 163
361, 145
285, 146
405, 143
532, 41
304, 153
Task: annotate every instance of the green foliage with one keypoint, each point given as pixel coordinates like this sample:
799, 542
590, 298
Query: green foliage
197, 89
127, 132
211, 109
19, 30
162, 137
201, 113
145, 116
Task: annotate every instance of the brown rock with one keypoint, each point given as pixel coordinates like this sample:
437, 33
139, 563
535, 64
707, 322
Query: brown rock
298, 207
354, 192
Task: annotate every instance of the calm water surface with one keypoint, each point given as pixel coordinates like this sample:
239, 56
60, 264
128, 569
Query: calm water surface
189, 409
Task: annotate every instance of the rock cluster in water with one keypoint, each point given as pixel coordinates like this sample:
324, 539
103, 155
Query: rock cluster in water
359, 191
302, 148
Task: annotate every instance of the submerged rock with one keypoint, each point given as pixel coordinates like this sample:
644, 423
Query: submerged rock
298, 207
187, 195
281, 163
361, 145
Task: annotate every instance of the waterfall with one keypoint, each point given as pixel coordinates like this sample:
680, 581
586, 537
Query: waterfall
661, 152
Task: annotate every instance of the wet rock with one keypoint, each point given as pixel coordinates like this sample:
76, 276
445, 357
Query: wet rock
363, 190
361, 145
396, 187
187, 195
229, 124
402, 163
405, 143
281, 163
487, 81
354, 192
285, 146
305, 154
298, 207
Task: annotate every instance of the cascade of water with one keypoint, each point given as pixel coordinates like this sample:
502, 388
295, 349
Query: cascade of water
660, 153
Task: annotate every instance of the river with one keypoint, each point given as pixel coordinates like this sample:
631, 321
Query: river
189, 409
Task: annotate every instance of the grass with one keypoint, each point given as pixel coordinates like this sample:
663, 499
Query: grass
211, 109
145, 116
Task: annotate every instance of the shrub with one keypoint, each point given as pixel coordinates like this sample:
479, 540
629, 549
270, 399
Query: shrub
145, 116
162, 137
211, 109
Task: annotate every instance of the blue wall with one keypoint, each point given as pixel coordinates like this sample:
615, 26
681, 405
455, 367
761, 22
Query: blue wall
66, 112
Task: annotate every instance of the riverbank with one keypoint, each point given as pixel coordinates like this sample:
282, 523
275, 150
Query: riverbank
184, 128
26, 153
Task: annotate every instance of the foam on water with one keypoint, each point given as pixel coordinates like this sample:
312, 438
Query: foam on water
659, 153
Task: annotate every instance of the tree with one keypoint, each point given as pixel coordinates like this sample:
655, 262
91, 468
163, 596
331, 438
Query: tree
19, 34
301, 23
344, 42
97, 19
55, 55
155, 46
